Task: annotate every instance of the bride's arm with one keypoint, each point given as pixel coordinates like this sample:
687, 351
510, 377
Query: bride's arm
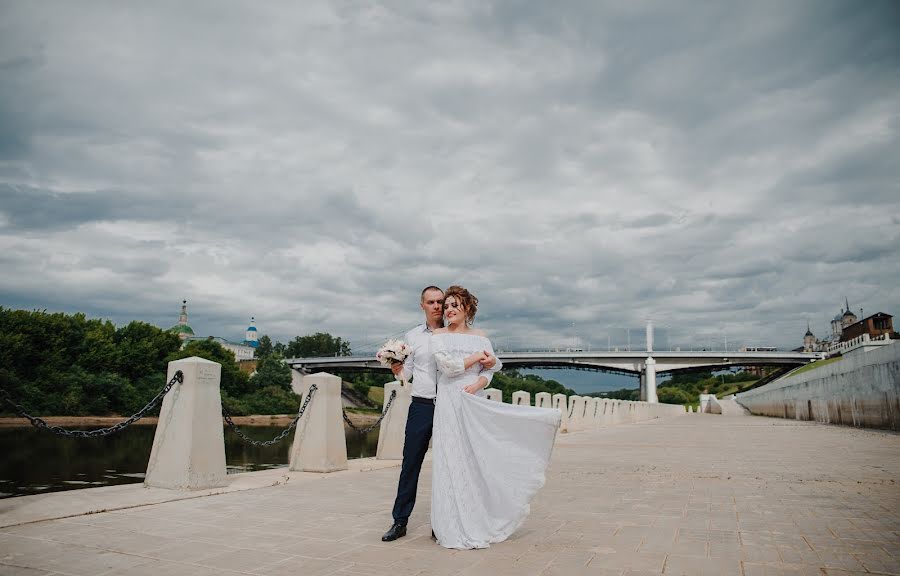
449, 365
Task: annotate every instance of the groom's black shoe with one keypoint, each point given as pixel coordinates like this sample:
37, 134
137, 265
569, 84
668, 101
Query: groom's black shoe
397, 530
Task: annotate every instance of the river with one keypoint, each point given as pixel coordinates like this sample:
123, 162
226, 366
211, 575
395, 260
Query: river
36, 461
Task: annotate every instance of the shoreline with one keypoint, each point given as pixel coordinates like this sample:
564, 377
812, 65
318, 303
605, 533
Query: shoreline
280, 420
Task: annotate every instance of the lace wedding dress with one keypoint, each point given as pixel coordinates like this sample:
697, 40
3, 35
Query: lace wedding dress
488, 458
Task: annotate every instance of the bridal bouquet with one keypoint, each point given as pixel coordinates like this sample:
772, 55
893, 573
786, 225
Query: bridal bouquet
393, 351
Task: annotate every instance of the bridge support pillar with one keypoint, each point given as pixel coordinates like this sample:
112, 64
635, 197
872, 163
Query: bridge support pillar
643, 394
392, 433
649, 378
319, 441
189, 446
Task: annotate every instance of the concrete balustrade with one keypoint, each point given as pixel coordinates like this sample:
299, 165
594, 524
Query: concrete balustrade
493, 394
543, 400
392, 431
578, 414
319, 441
189, 446
560, 402
521, 398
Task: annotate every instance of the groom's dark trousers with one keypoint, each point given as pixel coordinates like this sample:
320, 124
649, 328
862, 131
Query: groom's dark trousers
418, 434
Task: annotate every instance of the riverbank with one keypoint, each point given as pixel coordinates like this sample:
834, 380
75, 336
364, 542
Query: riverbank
358, 419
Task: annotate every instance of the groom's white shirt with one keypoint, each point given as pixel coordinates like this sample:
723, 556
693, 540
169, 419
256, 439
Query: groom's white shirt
421, 367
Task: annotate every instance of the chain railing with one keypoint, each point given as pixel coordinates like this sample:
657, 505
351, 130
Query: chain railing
42, 424
283, 434
368, 429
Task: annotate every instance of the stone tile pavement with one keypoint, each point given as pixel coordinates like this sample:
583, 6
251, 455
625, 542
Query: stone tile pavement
694, 494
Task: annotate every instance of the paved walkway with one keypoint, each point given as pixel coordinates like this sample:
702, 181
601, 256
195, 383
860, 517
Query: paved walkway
694, 494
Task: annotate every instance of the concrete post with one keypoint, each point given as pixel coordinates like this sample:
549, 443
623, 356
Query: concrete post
521, 398
494, 394
559, 402
650, 380
319, 441
542, 400
297, 382
392, 433
189, 446
643, 380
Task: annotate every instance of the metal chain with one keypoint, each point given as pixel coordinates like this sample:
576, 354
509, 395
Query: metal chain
40, 423
283, 434
377, 422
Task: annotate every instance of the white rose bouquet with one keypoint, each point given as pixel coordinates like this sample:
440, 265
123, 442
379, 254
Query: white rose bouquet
393, 351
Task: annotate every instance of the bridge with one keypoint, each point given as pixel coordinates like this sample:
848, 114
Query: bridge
643, 363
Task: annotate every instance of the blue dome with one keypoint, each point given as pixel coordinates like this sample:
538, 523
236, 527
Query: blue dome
251, 329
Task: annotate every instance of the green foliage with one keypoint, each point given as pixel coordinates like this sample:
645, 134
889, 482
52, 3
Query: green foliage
318, 344
685, 388
69, 365
271, 372
265, 348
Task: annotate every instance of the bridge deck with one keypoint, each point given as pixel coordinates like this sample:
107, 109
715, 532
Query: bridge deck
694, 494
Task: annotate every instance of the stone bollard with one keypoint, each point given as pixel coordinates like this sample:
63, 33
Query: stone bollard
559, 402
392, 431
494, 394
543, 400
189, 446
595, 407
521, 398
578, 409
319, 441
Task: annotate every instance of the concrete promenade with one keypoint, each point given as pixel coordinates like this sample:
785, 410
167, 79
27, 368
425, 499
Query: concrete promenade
692, 494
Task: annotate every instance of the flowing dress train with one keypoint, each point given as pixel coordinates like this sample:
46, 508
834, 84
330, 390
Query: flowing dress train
488, 458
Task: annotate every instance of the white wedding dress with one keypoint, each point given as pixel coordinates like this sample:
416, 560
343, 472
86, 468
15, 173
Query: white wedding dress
489, 458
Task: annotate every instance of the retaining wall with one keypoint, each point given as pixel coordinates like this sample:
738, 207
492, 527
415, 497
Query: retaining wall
862, 389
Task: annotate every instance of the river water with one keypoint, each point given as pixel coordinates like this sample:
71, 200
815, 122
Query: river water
36, 461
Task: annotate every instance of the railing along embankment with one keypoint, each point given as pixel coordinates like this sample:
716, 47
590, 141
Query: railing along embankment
861, 389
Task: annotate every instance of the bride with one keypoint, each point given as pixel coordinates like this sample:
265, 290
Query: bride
488, 457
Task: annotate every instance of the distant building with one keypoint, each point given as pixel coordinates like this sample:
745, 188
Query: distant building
244, 350
875, 326
846, 326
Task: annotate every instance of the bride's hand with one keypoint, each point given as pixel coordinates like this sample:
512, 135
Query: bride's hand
472, 388
488, 361
475, 358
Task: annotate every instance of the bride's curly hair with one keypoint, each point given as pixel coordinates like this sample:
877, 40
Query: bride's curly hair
466, 298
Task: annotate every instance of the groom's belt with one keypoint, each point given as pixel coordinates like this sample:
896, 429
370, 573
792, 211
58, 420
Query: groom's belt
423, 400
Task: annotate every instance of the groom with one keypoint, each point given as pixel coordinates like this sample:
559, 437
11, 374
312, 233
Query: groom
419, 366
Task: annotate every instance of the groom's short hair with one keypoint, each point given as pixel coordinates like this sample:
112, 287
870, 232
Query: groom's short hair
426, 289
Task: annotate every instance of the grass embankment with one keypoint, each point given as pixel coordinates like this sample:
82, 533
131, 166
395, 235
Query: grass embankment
739, 387
814, 365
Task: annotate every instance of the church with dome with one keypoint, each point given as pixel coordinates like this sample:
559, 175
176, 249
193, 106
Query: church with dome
243, 350
846, 325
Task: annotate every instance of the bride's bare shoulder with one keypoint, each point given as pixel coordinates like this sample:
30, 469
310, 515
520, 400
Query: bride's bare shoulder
478, 332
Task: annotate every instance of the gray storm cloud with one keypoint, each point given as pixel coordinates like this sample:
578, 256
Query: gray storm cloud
727, 170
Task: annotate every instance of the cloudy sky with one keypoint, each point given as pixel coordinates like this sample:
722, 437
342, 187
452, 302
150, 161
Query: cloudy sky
730, 170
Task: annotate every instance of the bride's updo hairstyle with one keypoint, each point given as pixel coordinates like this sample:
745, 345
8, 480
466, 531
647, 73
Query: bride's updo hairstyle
466, 298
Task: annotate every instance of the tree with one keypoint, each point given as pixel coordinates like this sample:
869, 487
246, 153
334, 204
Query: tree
265, 348
318, 344
272, 372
